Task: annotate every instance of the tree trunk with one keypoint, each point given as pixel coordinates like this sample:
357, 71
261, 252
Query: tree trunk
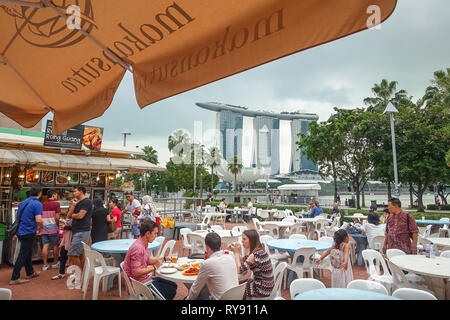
363, 198
356, 188
411, 200
335, 190
420, 192
235, 186
212, 181
201, 185
389, 190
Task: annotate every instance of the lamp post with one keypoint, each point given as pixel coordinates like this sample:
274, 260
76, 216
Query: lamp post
390, 109
125, 134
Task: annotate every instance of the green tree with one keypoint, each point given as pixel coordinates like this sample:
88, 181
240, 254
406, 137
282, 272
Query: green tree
384, 93
213, 159
323, 145
235, 166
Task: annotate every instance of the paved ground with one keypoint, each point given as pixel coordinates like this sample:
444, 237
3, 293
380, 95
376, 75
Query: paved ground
43, 288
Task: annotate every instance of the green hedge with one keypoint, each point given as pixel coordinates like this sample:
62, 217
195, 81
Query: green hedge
434, 207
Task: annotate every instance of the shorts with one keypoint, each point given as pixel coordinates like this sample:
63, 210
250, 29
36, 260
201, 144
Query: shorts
76, 247
135, 230
116, 234
50, 238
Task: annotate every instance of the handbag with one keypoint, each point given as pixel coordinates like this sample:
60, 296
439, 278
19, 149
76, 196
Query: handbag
112, 226
15, 226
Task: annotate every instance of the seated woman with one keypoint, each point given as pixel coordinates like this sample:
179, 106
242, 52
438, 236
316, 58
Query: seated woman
372, 227
257, 260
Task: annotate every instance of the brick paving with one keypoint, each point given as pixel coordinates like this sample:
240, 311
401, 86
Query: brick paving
43, 288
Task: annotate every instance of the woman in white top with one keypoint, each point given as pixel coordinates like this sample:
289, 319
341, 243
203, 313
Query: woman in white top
372, 227
148, 209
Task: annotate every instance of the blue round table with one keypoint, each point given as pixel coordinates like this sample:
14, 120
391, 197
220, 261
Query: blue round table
292, 245
432, 222
342, 294
119, 246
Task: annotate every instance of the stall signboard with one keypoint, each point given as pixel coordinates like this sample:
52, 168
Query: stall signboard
69, 139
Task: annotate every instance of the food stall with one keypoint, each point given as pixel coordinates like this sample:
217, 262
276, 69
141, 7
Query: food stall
24, 161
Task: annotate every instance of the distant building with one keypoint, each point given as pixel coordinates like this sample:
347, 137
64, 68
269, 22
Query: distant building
266, 136
7, 123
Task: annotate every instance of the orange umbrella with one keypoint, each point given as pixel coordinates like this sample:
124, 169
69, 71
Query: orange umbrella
71, 60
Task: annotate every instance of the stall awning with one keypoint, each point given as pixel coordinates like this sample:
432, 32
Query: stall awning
293, 187
65, 161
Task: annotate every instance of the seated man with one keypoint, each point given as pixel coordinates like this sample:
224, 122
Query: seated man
317, 210
138, 264
334, 212
218, 271
250, 210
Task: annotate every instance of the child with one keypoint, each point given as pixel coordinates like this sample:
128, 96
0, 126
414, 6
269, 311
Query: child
341, 273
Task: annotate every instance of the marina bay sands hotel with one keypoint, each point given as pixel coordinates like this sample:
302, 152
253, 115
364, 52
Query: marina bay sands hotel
266, 136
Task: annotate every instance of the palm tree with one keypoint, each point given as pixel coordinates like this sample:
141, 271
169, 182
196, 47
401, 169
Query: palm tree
151, 155
213, 160
179, 142
235, 167
385, 92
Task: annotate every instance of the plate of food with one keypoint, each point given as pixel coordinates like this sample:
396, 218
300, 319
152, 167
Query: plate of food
167, 270
183, 266
190, 272
61, 178
196, 265
47, 176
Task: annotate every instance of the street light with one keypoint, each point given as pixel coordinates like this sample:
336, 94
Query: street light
125, 134
390, 109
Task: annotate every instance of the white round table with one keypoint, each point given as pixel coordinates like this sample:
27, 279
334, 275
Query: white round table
437, 270
178, 276
440, 241
310, 225
342, 294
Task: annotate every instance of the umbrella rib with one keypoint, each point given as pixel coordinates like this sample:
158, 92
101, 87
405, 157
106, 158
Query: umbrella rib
125, 65
23, 3
5, 61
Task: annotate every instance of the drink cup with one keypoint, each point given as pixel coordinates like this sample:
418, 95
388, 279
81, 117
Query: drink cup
174, 257
423, 218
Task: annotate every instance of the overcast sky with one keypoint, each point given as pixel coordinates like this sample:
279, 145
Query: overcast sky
410, 46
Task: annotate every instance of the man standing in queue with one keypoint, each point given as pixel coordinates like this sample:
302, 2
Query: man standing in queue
80, 211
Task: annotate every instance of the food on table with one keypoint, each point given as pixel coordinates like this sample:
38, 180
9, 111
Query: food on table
196, 265
190, 272
92, 138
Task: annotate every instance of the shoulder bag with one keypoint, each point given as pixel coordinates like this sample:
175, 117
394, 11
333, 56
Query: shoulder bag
15, 226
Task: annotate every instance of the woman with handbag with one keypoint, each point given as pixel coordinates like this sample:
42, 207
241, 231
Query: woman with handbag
100, 218
115, 227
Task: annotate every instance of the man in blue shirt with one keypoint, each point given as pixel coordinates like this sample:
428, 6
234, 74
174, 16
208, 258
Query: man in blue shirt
317, 210
30, 213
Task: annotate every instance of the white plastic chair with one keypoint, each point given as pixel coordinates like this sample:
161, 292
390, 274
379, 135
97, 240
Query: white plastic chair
377, 243
197, 242
5, 294
298, 236
394, 252
289, 213
168, 246
128, 285
273, 230
142, 291
413, 294
258, 227
278, 275
373, 269
320, 227
296, 228
186, 244
88, 270
445, 254
263, 214
279, 298
239, 229
205, 222
305, 267
368, 285
276, 257
400, 280
301, 285
216, 227
101, 272
235, 293
160, 240
325, 264
444, 230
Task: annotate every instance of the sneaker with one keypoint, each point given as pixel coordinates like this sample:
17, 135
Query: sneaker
45, 267
34, 275
18, 281
59, 276
55, 266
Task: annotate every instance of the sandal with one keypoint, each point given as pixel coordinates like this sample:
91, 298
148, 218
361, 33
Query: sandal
34, 275
59, 276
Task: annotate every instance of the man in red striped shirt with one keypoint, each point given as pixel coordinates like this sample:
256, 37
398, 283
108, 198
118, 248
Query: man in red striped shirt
50, 218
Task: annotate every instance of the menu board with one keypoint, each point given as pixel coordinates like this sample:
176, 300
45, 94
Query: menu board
74, 178
62, 178
94, 179
32, 176
84, 178
48, 178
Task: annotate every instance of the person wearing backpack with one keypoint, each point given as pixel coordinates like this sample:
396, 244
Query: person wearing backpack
30, 215
341, 273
